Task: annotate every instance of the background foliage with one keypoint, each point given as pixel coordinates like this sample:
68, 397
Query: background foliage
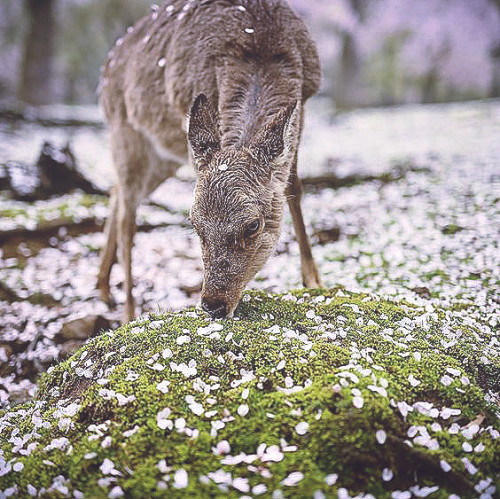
373, 51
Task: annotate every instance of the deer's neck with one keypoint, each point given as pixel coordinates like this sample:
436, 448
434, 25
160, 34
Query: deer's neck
249, 95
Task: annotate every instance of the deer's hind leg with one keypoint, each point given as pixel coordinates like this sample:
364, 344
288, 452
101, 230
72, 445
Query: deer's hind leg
108, 255
140, 170
131, 160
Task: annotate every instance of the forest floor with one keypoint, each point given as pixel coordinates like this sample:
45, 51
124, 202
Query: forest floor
423, 228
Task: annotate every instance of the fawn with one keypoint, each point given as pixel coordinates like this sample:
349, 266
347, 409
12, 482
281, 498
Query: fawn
240, 72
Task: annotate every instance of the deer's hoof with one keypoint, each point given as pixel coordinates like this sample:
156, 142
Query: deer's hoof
106, 297
313, 284
129, 312
312, 281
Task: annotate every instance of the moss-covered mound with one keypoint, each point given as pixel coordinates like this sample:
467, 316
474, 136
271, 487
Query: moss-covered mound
307, 394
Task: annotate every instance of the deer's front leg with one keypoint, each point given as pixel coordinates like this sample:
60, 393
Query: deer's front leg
126, 231
310, 274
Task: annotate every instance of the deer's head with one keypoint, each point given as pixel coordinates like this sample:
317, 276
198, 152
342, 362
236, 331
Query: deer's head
238, 202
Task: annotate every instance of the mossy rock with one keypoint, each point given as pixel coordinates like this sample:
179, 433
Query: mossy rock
313, 393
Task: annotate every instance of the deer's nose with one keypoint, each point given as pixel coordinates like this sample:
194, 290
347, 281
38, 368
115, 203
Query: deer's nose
216, 308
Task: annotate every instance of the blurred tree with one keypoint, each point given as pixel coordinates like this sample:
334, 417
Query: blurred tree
495, 82
443, 49
333, 25
12, 28
349, 89
495, 57
35, 86
89, 29
430, 81
372, 51
388, 80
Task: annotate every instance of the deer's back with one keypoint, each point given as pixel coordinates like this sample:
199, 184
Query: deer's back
185, 47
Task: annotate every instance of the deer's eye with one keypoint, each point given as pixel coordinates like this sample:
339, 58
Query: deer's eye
252, 228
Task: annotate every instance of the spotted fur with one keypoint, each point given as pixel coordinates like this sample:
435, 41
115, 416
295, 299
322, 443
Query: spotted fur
241, 71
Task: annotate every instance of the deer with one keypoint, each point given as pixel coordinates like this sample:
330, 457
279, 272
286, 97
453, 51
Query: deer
221, 84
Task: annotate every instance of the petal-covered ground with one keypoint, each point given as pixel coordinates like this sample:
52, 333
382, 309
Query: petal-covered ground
430, 237
307, 394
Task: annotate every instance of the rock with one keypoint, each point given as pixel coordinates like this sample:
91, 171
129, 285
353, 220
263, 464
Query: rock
43, 299
8, 294
59, 173
6, 364
55, 173
28, 369
20, 394
313, 391
423, 291
82, 329
325, 236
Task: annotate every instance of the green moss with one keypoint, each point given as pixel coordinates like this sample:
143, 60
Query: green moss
451, 229
348, 365
68, 207
12, 212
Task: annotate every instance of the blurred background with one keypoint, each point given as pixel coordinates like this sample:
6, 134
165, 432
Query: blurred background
374, 52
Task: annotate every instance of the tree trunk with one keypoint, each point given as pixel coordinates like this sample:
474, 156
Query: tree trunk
36, 71
495, 56
430, 87
495, 83
348, 83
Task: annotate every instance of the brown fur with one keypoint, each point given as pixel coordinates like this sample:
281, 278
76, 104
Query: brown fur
248, 89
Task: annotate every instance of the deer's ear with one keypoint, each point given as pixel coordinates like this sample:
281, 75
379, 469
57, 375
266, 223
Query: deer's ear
203, 130
277, 141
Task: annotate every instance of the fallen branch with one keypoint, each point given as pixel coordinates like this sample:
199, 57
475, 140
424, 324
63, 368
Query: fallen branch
52, 229
333, 181
39, 117
10, 296
478, 421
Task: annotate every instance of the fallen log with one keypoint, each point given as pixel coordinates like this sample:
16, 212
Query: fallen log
85, 226
333, 181
44, 118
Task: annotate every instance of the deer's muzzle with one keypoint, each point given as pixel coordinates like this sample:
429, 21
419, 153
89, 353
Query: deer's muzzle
216, 308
